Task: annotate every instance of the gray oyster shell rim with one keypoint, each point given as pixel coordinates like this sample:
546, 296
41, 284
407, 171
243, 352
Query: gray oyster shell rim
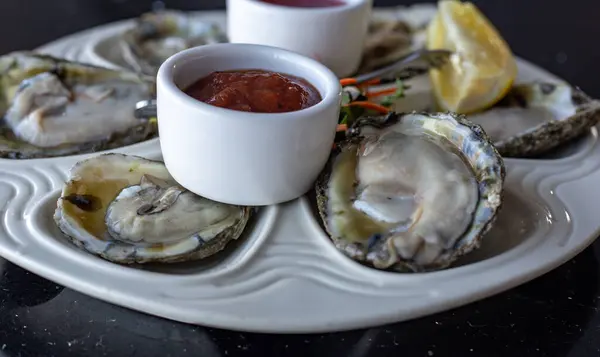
201, 251
484, 159
147, 27
12, 76
552, 134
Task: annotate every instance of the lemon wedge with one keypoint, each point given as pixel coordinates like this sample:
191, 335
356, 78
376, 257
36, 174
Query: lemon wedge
482, 69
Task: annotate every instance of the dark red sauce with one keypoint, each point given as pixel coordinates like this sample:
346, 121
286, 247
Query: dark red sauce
306, 3
255, 91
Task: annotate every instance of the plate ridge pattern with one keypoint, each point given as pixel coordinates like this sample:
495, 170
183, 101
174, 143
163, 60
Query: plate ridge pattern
282, 257
303, 261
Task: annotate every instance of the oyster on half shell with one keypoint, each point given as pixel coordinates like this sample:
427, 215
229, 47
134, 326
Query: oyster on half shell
530, 120
411, 192
536, 117
158, 35
54, 107
127, 209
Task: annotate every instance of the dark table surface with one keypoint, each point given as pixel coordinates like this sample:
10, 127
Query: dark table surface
554, 315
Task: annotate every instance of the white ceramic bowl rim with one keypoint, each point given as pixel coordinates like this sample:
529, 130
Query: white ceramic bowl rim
347, 5
331, 89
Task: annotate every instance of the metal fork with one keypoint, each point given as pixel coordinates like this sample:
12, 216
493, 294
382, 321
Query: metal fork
145, 109
411, 65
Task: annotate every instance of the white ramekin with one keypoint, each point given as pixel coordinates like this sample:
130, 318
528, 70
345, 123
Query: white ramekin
334, 36
240, 157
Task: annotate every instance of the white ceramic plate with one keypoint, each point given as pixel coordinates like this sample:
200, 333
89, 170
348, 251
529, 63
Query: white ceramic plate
284, 275
105, 49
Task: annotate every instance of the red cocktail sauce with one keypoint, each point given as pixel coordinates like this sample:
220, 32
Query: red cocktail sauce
306, 3
255, 91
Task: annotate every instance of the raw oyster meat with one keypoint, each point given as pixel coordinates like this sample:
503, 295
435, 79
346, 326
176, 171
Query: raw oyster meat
395, 34
54, 107
530, 120
534, 118
158, 35
411, 192
128, 209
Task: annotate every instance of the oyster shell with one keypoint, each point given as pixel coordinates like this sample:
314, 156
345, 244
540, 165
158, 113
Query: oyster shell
411, 192
54, 107
127, 209
395, 34
534, 118
158, 35
531, 119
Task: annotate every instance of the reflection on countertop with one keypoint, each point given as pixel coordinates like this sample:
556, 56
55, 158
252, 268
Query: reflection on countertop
550, 316
556, 314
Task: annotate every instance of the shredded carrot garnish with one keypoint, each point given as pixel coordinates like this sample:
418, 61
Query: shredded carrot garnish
370, 105
351, 81
342, 127
379, 93
364, 86
347, 81
373, 82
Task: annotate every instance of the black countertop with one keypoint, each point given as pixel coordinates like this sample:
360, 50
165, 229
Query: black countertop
554, 315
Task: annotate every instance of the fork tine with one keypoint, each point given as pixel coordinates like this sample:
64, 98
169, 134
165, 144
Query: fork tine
428, 59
